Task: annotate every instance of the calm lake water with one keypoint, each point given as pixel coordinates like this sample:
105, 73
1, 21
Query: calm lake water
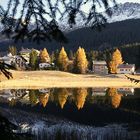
70, 114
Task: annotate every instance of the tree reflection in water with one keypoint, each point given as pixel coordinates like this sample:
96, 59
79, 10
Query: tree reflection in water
114, 96
86, 106
62, 96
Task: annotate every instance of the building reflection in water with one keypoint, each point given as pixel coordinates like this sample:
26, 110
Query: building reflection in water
62, 96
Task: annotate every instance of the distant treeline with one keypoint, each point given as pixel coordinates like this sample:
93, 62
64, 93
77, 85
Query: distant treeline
114, 34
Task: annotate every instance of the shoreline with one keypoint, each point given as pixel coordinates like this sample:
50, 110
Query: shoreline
58, 79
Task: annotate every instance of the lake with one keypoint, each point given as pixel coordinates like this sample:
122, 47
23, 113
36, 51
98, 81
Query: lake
70, 114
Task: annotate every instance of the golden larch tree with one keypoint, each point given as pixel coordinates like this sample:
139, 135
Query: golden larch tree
44, 56
63, 60
115, 61
80, 62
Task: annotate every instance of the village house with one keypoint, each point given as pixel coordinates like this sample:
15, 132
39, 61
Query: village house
99, 91
25, 53
100, 67
126, 69
8, 59
17, 60
21, 62
46, 65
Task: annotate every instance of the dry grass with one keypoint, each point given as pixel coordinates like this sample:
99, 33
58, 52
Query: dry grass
45, 79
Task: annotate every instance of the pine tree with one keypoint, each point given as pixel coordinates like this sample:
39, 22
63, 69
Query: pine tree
115, 61
44, 56
12, 50
33, 61
80, 62
63, 60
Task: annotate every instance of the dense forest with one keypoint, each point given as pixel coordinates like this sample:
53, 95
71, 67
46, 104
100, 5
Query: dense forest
113, 35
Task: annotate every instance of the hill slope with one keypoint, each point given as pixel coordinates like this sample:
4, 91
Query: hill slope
115, 34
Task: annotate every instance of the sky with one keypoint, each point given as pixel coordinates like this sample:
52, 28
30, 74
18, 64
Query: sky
4, 2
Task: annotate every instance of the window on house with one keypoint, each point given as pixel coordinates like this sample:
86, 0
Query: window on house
121, 69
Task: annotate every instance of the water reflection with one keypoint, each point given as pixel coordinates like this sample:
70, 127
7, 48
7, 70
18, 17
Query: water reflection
62, 96
74, 113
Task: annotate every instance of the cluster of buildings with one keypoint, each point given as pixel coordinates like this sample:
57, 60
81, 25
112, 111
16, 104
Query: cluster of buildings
21, 61
100, 67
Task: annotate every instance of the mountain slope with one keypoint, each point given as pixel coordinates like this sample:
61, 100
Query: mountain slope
120, 32
120, 13
115, 34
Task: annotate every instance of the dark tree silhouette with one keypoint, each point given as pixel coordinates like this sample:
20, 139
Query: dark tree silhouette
44, 14
4, 70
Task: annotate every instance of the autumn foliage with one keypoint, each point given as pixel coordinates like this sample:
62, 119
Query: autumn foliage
80, 97
115, 97
44, 56
80, 61
63, 60
116, 60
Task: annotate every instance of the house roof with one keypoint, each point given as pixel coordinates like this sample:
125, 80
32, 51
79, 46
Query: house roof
25, 50
126, 66
99, 62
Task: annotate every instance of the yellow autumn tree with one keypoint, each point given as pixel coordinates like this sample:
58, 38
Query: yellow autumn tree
80, 62
63, 60
80, 97
115, 97
115, 61
44, 56
43, 99
62, 95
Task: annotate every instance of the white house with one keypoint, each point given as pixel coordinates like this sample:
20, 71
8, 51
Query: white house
44, 65
100, 67
126, 69
20, 62
8, 59
25, 53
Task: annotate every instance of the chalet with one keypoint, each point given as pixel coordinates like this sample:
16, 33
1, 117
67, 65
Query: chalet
17, 60
100, 67
25, 53
21, 62
8, 59
126, 69
45, 65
